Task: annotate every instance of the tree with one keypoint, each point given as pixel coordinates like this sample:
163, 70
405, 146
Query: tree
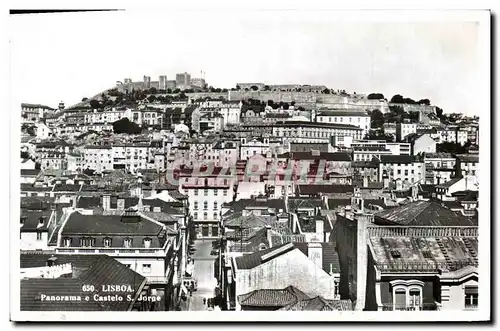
286, 106
84, 99
376, 119
439, 112
151, 98
218, 90
266, 88
254, 87
125, 126
95, 104
449, 147
224, 90
426, 102
292, 103
238, 87
177, 90
326, 91
397, 99
379, 135
169, 90
25, 155
270, 103
375, 96
409, 101
153, 90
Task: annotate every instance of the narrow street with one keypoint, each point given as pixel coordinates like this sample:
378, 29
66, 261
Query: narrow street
204, 272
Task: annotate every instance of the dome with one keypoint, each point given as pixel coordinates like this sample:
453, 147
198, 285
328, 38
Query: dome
181, 128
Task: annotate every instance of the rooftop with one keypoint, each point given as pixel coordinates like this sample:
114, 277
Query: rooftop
423, 213
272, 297
97, 270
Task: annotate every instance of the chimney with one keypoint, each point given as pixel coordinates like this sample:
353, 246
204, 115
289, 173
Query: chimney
268, 234
320, 229
365, 181
106, 202
362, 260
315, 253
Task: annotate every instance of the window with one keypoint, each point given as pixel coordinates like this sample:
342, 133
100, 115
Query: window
400, 299
225, 193
107, 242
215, 205
147, 242
414, 299
87, 242
195, 215
205, 205
39, 236
195, 205
127, 242
471, 297
205, 215
146, 268
205, 192
67, 242
196, 193
215, 215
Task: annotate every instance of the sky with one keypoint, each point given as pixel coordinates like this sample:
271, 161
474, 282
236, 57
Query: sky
65, 57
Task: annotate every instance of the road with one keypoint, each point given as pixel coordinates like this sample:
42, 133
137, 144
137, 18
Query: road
204, 272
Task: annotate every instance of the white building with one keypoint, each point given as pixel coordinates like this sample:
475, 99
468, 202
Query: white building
404, 129
207, 189
98, 158
401, 170
252, 147
133, 238
356, 118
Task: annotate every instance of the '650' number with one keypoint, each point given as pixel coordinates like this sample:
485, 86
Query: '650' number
88, 288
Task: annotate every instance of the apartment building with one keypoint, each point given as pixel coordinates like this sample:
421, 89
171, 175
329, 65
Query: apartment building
401, 170
98, 157
439, 168
207, 188
356, 118
404, 129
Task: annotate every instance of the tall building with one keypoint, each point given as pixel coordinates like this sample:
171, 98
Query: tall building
147, 81
183, 80
163, 82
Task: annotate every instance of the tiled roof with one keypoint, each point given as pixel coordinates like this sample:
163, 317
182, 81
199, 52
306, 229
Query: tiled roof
303, 203
396, 159
31, 220
468, 158
271, 297
109, 225
30, 188
97, 270
423, 213
237, 220
253, 260
67, 187
449, 183
454, 252
316, 189
320, 304
330, 260
343, 113
29, 172
339, 157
